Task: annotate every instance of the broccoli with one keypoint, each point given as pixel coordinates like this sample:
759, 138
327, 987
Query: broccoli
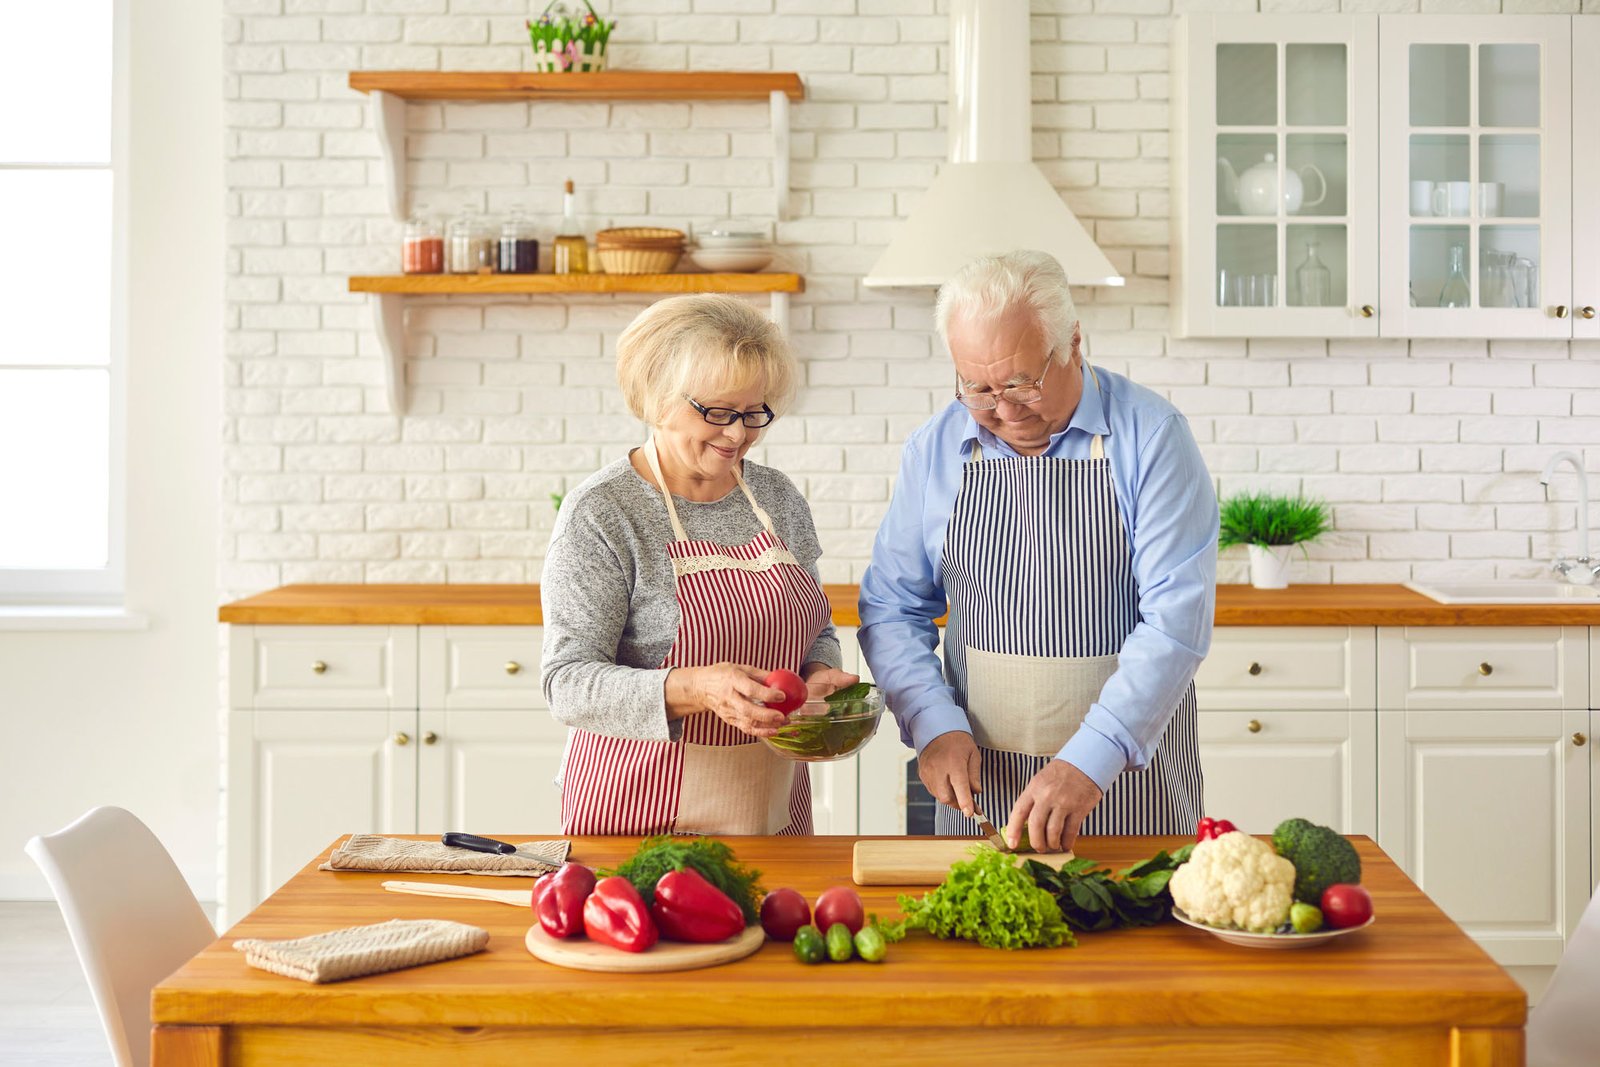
1321, 858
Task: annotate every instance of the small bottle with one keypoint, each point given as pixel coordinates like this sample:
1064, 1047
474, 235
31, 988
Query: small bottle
1316, 281
1456, 292
471, 247
422, 246
571, 252
519, 249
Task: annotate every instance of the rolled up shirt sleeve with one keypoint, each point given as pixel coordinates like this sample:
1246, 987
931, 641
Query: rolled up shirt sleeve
1174, 546
902, 595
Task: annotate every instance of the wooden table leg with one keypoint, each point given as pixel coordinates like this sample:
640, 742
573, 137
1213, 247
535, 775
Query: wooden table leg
1486, 1048
186, 1046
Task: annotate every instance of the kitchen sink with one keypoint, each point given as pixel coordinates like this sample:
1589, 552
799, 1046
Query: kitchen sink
1506, 592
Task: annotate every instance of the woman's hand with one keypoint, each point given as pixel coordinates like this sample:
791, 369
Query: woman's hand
733, 692
821, 679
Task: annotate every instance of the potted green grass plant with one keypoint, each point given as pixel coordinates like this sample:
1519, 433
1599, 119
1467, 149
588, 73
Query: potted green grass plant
569, 41
1271, 525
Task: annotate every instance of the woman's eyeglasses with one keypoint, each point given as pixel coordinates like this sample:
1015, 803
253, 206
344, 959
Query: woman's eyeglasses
728, 416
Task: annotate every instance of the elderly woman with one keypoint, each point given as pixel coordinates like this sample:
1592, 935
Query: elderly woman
677, 579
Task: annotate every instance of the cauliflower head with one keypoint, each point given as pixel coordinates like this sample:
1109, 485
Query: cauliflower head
1235, 881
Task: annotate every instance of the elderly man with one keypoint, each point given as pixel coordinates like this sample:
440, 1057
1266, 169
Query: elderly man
1066, 518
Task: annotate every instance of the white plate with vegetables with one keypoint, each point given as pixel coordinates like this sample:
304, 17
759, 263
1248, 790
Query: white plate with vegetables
1272, 940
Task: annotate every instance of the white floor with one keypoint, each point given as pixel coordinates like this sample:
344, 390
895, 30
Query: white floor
48, 1020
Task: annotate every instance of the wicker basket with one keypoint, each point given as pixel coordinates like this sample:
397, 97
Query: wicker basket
639, 249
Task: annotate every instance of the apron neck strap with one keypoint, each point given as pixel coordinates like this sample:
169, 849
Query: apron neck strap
654, 460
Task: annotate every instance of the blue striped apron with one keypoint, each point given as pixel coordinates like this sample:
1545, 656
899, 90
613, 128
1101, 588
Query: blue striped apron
1039, 574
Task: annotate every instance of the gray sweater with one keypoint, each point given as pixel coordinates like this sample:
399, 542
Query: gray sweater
609, 600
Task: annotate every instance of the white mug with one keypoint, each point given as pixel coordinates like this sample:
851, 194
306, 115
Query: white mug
1421, 198
1452, 198
1491, 195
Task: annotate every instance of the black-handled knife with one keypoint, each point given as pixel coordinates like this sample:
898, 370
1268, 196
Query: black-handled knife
478, 844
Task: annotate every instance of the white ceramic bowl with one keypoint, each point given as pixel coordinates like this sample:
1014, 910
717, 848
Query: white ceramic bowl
1253, 940
732, 259
722, 239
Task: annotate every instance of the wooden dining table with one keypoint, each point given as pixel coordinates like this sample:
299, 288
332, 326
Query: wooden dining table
1410, 989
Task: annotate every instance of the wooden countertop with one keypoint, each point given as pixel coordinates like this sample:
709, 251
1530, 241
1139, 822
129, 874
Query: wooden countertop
1237, 605
1406, 990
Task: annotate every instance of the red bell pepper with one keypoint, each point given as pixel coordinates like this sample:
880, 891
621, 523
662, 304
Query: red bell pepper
560, 905
1209, 828
616, 915
689, 908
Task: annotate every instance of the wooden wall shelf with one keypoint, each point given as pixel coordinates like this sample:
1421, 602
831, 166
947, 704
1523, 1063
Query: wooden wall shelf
389, 291
606, 85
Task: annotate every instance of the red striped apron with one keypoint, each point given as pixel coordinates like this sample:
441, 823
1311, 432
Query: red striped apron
751, 604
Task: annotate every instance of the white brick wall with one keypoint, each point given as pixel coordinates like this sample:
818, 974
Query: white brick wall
1427, 451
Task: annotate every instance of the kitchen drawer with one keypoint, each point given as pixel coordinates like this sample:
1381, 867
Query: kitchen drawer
1491, 667
487, 667
1288, 668
323, 666
1262, 766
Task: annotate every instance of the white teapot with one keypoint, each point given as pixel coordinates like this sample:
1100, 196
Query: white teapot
1256, 190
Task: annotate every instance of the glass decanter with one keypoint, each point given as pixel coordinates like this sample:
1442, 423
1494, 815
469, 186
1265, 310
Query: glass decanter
1316, 281
1457, 293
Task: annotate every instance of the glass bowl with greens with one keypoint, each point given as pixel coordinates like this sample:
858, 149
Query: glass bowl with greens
832, 728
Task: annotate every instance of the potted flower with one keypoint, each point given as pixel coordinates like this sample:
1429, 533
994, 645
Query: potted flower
1271, 525
562, 42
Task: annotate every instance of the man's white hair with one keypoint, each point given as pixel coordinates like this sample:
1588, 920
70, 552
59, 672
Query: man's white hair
988, 288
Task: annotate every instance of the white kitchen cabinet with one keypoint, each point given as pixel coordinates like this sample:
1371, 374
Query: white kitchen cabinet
1490, 667
480, 667
1288, 667
1488, 812
1472, 153
323, 667
1262, 767
489, 772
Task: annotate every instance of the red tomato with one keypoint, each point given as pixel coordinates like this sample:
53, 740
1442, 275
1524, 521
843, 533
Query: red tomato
783, 911
1346, 905
840, 905
794, 690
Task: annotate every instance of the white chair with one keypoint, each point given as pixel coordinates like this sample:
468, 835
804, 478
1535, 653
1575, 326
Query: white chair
1564, 1027
132, 917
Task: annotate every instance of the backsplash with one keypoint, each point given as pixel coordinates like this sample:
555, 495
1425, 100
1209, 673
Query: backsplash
1428, 451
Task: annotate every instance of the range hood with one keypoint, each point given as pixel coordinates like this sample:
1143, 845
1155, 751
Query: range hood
990, 198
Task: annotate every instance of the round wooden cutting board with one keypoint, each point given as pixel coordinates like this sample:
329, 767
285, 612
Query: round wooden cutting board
585, 955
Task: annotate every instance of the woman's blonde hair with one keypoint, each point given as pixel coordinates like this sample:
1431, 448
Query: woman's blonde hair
701, 346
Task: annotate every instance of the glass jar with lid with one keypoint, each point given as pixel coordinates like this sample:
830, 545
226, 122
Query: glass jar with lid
422, 245
471, 245
519, 248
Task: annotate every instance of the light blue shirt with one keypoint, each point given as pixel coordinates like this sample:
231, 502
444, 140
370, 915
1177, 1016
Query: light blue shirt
1169, 510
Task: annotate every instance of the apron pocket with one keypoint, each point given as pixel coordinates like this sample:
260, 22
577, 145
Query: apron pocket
1031, 704
734, 789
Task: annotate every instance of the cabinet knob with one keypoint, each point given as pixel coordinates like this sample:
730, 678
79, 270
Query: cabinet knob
1588, 311
319, 667
1580, 739
1255, 668
1485, 669
1561, 311
1254, 726
430, 738
402, 739
1367, 311
513, 667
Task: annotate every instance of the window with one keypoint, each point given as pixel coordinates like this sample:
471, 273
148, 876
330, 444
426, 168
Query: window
60, 336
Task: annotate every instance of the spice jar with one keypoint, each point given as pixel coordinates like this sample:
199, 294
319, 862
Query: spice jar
519, 249
471, 246
422, 246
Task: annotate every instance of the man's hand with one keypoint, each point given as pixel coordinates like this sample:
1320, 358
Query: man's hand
1052, 807
949, 768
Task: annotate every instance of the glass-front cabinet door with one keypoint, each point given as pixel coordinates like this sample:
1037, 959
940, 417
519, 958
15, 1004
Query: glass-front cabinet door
1276, 162
1475, 181
1585, 167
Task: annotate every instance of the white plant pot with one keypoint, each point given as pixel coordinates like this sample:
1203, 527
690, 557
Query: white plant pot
1269, 566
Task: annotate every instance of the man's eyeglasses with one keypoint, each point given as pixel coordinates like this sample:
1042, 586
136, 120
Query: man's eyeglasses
1024, 394
728, 416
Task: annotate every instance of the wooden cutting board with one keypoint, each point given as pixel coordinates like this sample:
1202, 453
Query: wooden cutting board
583, 955
907, 861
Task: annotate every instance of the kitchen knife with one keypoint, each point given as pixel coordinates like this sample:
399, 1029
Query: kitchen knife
996, 838
477, 844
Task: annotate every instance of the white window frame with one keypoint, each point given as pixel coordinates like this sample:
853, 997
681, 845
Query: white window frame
104, 585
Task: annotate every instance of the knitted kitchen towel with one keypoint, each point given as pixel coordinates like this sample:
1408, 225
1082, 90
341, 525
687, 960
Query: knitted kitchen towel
358, 950
370, 852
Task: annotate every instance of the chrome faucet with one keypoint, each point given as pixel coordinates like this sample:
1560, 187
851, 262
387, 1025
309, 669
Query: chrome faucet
1584, 569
